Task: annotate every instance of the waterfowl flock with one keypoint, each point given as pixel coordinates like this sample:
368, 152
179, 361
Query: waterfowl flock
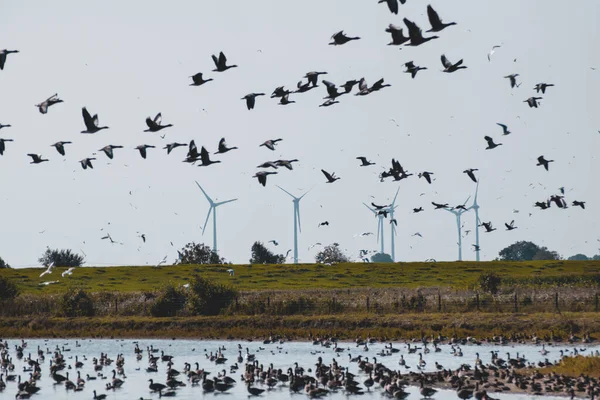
410, 32
276, 368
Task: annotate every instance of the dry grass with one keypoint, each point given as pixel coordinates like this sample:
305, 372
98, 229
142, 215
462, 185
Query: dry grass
575, 366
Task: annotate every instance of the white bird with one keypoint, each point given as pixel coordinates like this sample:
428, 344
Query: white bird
161, 262
49, 270
316, 244
48, 283
187, 286
491, 53
231, 272
68, 272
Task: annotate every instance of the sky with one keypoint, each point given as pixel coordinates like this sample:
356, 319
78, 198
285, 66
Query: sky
129, 60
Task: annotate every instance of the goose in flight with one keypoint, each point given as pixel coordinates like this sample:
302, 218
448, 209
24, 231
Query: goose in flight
436, 23
142, 149
68, 272
513, 80
286, 163
3, 145
341, 38
542, 161
364, 162
449, 67
532, 102
378, 86
251, 99
332, 90
392, 5
192, 154
475, 247
417, 210
275, 242
438, 205
279, 92
461, 207
268, 164
87, 162
505, 130
378, 207
426, 175
271, 143
198, 80
205, 158
91, 123
329, 103
559, 201
304, 87
223, 147
488, 226
413, 69
48, 270
579, 203
154, 125
285, 100
417, 234
110, 238
221, 63
36, 158
3, 54
172, 146
330, 177
324, 223
491, 145
542, 87
262, 176
349, 85
60, 147
398, 37
5, 126
416, 34
50, 101
108, 150
471, 174
363, 88
511, 226
542, 204
313, 76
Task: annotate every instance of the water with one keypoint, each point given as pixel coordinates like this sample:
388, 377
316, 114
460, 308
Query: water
280, 355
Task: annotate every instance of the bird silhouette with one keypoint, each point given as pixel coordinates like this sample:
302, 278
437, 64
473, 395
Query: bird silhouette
340, 38
330, 177
60, 147
251, 99
412, 69
470, 173
543, 162
513, 80
154, 125
491, 144
532, 102
505, 130
36, 159
436, 23
221, 63
198, 80
91, 123
364, 162
449, 67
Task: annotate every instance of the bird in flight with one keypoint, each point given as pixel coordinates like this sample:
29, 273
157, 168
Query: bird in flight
491, 145
364, 162
48, 270
505, 130
154, 125
513, 80
471, 174
275, 242
324, 223
91, 123
330, 177
221, 63
271, 143
492, 51
251, 99
262, 176
543, 162
511, 226
50, 101
341, 38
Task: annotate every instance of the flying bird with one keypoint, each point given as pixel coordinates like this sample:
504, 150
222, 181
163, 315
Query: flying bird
108, 150
280, 92
50, 101
36, 159
313, 76
154, 125
328, 103
286, 163
324, 223
364, 162
426, 175
436, 23
532, 102
271, 143
542, 161
221, 63
417, 234
491, 145
3, 54
542, 87
262, 176
492, 51
392, 5
398, 37
330, 177
205, 158
142, 149
513, 80
413, 69
284, 101
268, 164
275, 242
68, 272
91, 123
48, 270
511, 226
223, 147
5, 126
438, 205
417, 210
60, 147
505, 130
449, 67
198, 80
251, 99
579, 203
172, 146
3, 145
416, 34
340, 38
488, 226
87, 163
470, 173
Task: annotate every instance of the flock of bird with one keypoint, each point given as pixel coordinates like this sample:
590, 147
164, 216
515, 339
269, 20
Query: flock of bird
203, 158
88, 373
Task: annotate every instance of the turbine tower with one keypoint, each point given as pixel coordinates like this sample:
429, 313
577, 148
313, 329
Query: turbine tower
475, 207
297, 227
458, 214
213, 209
380, 218
393, 229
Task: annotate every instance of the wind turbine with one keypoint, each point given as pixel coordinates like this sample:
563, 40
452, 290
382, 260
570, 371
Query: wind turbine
393, 229
475, 207
297, 227
380, 218
213, 209
458, 214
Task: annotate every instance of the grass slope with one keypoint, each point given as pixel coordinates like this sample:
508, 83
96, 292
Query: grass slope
457, 275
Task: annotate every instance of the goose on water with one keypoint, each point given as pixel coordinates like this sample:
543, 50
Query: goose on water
91, 123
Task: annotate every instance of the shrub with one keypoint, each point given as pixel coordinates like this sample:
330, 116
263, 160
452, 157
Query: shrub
3, 264
208, 297
198, 253
262, 255
61, 258
75, 302
489, 282
169, 301
331, 254
8, 290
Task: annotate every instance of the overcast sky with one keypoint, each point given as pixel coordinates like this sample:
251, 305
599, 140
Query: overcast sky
129, 60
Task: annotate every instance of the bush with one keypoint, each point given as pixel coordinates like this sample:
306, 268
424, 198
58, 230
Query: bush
169, 301
75, 302
3, 264
381, 258
198, 253
209, 298
490, 282
61, 258
8, 290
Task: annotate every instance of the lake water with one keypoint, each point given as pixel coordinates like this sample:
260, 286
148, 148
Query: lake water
280, 355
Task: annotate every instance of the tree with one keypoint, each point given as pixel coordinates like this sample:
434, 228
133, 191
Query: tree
579, 257
8, 290
596, 257
490, 282
61, 258
199, 253
3, 264
331, 254
544, 254
208, 297
262, 255
381, 258
519, 251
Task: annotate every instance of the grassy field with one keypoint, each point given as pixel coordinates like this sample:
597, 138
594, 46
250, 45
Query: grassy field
454, 275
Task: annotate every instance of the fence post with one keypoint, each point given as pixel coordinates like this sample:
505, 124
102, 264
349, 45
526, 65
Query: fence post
439, 302
367, 303
268, 301
556, 301
516, 303
477, 300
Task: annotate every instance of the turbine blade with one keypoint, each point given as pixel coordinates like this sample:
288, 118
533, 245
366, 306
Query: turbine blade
306, 192
224, 202
207, 217
370, 208
286, 191
466, 200
394, 202
207, 196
